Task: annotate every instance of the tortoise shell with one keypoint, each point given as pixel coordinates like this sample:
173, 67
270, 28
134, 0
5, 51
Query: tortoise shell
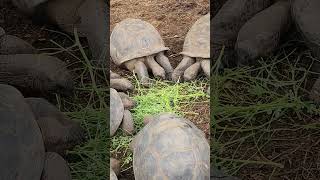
197, 41
21, 145
305, 14
113, 175
2, 32
27, 6
55, 167
134, 38
170, 147
59, 132
116, 111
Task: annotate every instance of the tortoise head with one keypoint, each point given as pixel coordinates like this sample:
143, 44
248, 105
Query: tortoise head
58, 79
63, 83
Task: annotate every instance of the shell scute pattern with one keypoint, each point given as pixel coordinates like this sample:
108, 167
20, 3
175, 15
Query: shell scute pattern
197, 41
116, 111
178, 147
134, 38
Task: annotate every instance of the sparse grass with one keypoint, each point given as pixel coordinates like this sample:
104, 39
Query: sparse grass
162, 96
262, 124
89, 106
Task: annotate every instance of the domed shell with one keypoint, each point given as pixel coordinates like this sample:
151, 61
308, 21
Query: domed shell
171, 147
305, 14
113, 175
197, 41
22, 150
134, 38
116, 111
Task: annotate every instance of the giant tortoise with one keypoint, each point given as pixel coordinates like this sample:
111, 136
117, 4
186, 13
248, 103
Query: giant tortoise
90, 17
119, 83
33, 74
252, 29
27, 126
170, 147
196, 51
22, 150
137, 45
227, 23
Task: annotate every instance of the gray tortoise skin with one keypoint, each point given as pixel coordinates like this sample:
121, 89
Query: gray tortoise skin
170, 147
138, 46
261, 35
196, 51
58, 131
55, 168
88, 16
249, 29
20, 138
227, 23
35, 74
120, 104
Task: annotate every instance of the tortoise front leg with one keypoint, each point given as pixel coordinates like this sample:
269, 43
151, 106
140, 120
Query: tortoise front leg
205, 65
192, 72
138, 67
157, 70
179, 70
114, 75
119, 83
165, 63
142, 72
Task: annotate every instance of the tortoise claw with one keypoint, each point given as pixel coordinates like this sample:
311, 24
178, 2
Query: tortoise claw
179, 70
157, 70
192, 72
